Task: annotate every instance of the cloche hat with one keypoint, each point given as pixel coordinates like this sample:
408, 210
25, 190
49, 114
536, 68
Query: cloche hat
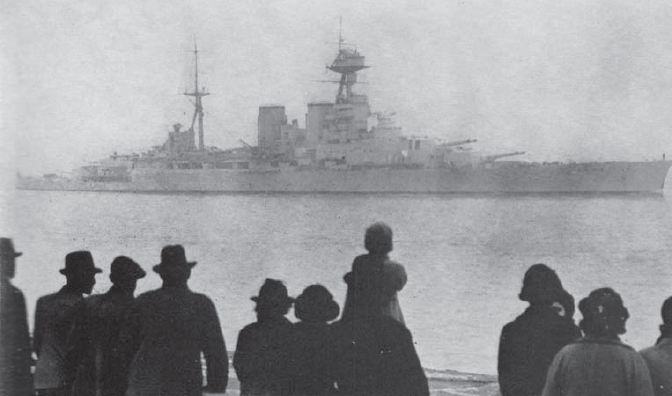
316, 304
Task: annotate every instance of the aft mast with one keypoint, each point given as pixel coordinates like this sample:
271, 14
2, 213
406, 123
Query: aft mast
198, 104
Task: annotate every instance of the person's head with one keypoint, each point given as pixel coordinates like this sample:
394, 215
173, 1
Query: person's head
316, 304
565, 304
8, 258
272, 301
604, 314
541, 285
666, 313
174, 268
80, 271
378, 238
124, 273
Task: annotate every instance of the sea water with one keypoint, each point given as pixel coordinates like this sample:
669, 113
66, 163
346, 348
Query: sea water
465, 255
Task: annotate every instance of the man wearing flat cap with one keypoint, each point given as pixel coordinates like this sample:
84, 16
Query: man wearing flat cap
165, 332
96, 332
15, 351
54, 318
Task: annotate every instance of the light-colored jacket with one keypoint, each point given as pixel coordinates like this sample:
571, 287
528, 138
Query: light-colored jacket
596, 366
659, 360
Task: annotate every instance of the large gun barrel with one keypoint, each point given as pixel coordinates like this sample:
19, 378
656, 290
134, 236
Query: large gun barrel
458, 143
495, 157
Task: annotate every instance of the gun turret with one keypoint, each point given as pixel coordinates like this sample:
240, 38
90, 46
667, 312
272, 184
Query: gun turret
492, 158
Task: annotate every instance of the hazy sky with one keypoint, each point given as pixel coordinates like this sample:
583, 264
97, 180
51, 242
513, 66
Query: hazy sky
561, 80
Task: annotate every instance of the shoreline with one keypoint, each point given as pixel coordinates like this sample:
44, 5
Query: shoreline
441, 383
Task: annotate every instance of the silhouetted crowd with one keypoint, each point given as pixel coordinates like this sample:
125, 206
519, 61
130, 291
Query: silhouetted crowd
114, 344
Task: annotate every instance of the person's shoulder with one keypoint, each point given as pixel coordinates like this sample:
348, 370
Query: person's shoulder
393, 265
359, 261
201, 297
649, 351
252, 327
147, 296
47, 298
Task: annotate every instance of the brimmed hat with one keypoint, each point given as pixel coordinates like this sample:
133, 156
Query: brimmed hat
7, 248
173, 256
79, 262
123, 267
541, 284
272, 291
316, 304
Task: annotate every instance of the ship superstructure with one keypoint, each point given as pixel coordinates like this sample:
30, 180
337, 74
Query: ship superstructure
343, 147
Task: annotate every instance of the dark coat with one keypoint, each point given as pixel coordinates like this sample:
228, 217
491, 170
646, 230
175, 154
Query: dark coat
373, 284
163, 337
263, 358
376, 357
527, 347
54, 319
95, 338
15, 377
313, 360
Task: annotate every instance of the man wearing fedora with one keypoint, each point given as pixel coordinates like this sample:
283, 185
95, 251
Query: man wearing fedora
96, 332
54, 318
263, 357
165, 332
15, 378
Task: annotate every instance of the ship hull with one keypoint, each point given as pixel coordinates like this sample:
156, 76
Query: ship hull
610, 177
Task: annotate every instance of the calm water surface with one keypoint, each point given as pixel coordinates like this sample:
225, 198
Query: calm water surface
465, 255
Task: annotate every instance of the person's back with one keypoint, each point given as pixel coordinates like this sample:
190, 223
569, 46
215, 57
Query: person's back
15, 377
374, 277
96, 333
528, 344
527, 348
165, 332
594, 366
171, 330
659, 357
54, 319
376, 357
263, 356
312, 351
599, 363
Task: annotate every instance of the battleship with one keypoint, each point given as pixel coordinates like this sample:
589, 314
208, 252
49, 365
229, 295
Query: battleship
343, 147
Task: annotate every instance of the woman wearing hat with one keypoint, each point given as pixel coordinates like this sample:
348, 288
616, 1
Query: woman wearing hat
315, 307
263, 357
528, 344
599, 363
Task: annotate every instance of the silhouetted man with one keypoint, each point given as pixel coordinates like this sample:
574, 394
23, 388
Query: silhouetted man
166, 331
15, 376
263, 357
659, 357
96, 332
54, 318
